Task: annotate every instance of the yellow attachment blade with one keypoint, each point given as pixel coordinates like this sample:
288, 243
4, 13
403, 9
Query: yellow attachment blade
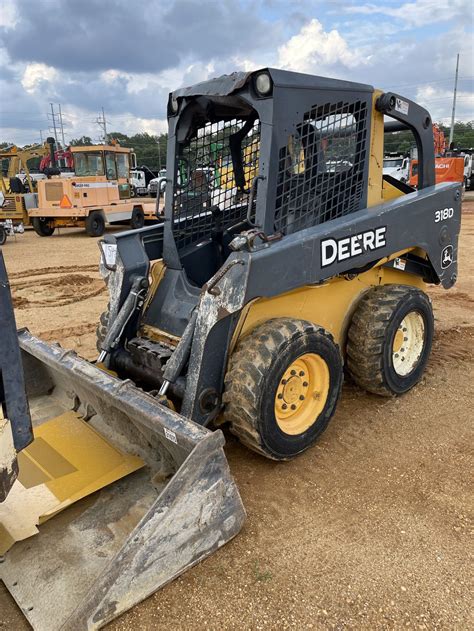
67, 461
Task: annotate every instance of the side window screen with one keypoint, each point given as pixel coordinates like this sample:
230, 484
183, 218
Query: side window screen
322, 167
122, 165
110, 167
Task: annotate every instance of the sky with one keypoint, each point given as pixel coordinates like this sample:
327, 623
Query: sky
126, 56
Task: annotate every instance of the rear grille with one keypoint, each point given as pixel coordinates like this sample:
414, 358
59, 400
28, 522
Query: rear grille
54, 191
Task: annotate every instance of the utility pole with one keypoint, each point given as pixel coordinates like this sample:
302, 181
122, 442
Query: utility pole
61, 123
102, 122
451, 132
53, 117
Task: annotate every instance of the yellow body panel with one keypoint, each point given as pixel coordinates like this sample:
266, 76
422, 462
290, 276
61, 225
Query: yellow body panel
374, 193
330, 305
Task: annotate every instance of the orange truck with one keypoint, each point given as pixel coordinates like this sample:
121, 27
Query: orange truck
97, 194
446, 170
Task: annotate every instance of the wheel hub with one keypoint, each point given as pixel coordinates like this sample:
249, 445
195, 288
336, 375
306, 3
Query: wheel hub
301, 393
408, 343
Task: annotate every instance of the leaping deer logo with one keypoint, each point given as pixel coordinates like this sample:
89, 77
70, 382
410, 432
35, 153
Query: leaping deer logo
447, 256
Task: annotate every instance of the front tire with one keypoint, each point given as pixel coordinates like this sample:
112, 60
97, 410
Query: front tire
95, 224
390, 339
43, 226
282, 387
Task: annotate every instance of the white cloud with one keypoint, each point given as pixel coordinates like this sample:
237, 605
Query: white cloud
313, 50
420, 12
35, 74
9, 14
439, 102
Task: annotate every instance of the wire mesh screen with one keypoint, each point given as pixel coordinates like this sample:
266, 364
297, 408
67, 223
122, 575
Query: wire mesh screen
214, 173
322, 167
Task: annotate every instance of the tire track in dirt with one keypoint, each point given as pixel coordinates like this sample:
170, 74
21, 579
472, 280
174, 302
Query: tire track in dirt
52, 335
455, 344
64, 288
43, 271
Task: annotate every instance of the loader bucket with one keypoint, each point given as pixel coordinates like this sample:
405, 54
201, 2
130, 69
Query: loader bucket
112, 549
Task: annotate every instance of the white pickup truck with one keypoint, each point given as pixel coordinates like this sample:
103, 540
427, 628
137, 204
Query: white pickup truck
397, 166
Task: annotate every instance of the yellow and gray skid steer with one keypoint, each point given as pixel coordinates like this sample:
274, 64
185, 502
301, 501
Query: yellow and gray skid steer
285, 257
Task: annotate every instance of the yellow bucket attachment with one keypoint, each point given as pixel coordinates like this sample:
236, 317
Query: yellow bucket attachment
128, 494
67, 461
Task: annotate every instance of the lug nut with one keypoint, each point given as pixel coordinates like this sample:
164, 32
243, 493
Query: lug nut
293, 372
280, 396
284, 381
301, 373
402, 350
301, 397
404, 330
305, 384
293, 407
405, 339
396, 355
284, 406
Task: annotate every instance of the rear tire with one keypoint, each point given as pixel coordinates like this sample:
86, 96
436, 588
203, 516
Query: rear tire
43, 226
389, 339
3, 235
138, 219
95, 224
282, 387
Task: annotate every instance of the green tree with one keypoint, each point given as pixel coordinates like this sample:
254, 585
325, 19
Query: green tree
83, 141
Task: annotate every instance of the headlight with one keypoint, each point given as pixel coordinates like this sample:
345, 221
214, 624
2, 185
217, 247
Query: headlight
174, 104
263, 84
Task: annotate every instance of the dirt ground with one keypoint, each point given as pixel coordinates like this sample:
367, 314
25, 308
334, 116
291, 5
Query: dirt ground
370, 529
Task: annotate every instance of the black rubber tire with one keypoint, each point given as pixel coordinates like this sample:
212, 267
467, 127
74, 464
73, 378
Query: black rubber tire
95, 224
255, 369
138, 219
102, 328
42, 226
371, 334
3, 235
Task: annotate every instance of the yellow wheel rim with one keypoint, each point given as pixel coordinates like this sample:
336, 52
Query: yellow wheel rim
301, 394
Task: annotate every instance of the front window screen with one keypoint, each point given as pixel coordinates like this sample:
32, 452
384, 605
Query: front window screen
110, 166
88, 164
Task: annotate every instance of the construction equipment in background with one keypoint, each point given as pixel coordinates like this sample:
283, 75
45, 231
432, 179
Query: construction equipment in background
447, 169
440, 143
99, 194
239, 310
17, 188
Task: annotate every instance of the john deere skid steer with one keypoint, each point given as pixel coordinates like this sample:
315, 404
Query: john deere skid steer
285, 255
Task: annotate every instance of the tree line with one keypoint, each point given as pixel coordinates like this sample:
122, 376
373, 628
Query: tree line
150, 149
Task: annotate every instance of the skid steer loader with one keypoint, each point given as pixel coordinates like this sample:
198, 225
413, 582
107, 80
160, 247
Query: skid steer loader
293, 257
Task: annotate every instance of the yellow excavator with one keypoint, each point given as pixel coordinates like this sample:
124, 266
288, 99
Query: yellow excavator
17, 194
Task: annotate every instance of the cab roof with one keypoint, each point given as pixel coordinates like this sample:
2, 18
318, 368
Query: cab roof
91, 148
